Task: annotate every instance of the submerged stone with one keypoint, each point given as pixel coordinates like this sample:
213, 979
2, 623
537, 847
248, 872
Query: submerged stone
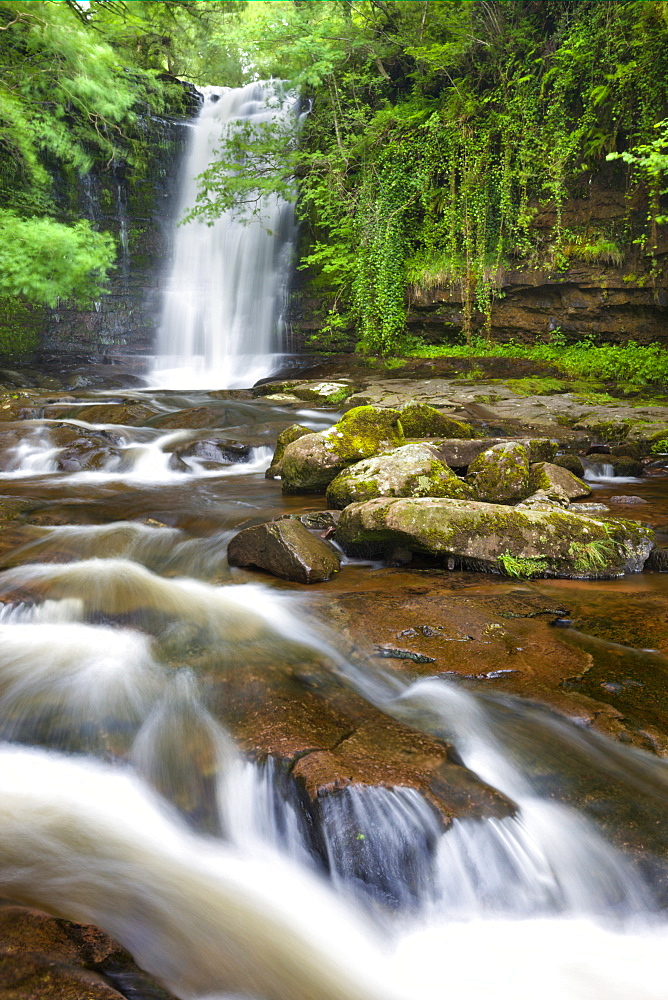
286, 549
482, 535
413, 470
501, 474
312, 462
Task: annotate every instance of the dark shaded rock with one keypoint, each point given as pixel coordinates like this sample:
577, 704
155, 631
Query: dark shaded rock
570, 462
501, 474
657, 561
284, 548
422, 420
497, 538
286, 437
412, 470
628, 449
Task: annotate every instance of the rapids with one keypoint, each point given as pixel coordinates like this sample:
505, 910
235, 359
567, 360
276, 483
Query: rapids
150, 747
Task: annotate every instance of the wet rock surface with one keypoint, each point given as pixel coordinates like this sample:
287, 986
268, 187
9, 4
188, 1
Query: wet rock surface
284, 548
52, 959
593, 655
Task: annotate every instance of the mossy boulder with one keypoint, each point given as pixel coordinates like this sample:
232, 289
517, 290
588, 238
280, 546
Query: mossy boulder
540, 449
284, 548
486, 536
570, 462
545, 476
286, 437
419, 420
314, 460
459, 453
413, 470
501, 474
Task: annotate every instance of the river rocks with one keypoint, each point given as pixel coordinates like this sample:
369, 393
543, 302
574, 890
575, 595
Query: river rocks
210, 453
53, 959
570, 462
314, 460
485, 536
413, 470
545, 476
501, 474
459, 454
286, 437
284, 548
420, 420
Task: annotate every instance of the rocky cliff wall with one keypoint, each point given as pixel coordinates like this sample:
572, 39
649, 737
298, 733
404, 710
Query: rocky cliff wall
621, 296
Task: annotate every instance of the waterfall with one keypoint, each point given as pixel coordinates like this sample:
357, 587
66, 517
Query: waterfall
221, 319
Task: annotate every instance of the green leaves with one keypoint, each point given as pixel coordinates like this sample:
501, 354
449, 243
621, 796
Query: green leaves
44, 261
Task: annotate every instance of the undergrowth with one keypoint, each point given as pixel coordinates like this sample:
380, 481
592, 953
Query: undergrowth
629, 362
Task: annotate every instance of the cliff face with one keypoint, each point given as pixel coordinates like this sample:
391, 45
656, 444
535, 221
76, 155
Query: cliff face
139, 213
611, 300
138, 209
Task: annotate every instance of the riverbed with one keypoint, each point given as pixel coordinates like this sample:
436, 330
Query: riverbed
344, 790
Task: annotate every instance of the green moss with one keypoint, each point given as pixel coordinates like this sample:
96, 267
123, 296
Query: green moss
421, 420
536, 386
364, 430
570, 462
500, 474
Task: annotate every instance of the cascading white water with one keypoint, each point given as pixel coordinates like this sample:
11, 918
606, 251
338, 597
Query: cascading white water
221, 320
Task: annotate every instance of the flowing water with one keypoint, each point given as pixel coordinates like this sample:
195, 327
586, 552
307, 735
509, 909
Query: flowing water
222, 315
150, 743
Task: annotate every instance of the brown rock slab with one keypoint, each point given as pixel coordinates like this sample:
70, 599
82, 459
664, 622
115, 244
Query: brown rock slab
46, 958
284, 548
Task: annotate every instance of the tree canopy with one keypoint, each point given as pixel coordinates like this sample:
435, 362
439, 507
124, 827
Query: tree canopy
437, 129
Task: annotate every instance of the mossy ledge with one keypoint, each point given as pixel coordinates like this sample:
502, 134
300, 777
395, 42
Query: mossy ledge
477, 535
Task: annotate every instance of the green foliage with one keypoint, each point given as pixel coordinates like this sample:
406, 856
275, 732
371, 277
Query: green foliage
44, 261
521, 568
632, 363
591, 557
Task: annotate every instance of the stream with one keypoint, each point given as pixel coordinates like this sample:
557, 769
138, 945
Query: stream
173, 729
133, 798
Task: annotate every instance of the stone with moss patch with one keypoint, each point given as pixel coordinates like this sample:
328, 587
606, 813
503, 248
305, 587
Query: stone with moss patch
545, 476
479, 534
312, 462
419, 420
501, 474
570, 462
413, 470
286, 437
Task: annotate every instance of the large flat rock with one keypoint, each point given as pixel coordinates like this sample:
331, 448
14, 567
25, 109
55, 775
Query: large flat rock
493, 537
